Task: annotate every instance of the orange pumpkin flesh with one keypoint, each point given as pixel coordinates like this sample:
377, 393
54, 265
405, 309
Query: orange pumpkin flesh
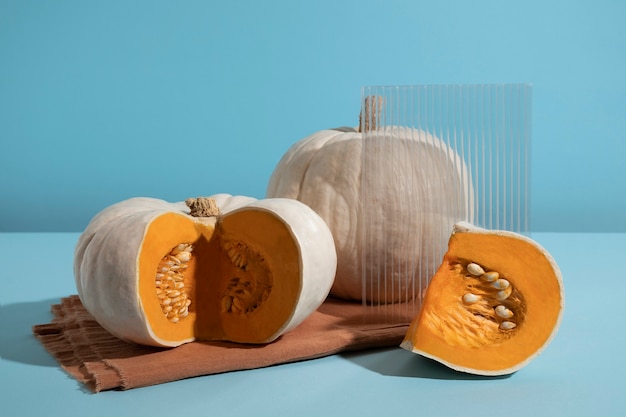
211, 274
468, 325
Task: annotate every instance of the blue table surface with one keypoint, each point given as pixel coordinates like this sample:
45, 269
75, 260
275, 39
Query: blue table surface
579, 374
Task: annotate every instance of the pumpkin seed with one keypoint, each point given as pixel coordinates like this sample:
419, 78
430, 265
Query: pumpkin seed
507, 325
227, 302
470, 298
177, 299
475, 269
490, 276
180, 248
174, 260
504, 294
183, 256
234, 308
500, 284
503, 312
238, 303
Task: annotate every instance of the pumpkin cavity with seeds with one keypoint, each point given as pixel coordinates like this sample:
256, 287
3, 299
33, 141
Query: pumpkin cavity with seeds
488, 311
251, 283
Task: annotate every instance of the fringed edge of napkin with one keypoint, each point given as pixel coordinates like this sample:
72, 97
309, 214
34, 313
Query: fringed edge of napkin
100, 361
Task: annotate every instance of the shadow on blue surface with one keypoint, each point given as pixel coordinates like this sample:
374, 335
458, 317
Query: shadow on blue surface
402, 363
18, 343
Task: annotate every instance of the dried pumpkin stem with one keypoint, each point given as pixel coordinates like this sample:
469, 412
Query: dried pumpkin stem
372, 109
202, 207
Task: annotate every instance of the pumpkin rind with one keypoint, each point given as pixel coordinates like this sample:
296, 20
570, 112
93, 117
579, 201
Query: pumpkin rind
324, 171
117, 255
450, 330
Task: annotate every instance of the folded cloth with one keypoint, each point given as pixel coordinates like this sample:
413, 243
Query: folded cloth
101, 361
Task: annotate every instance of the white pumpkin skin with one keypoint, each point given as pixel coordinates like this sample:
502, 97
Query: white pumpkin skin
107, 252
324, 171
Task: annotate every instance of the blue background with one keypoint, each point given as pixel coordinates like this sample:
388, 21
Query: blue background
102, 101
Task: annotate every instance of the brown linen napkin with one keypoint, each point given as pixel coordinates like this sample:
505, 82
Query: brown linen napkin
102, 362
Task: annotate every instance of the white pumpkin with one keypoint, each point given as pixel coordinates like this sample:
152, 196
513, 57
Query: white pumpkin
154, 273
395, 219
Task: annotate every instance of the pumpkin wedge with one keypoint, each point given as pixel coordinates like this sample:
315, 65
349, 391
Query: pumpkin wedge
218, 268
494, 304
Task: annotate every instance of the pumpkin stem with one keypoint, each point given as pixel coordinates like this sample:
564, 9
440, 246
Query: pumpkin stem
372, 110
202, 207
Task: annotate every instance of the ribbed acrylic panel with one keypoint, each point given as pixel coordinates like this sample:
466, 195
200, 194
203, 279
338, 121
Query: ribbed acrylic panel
434, 155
